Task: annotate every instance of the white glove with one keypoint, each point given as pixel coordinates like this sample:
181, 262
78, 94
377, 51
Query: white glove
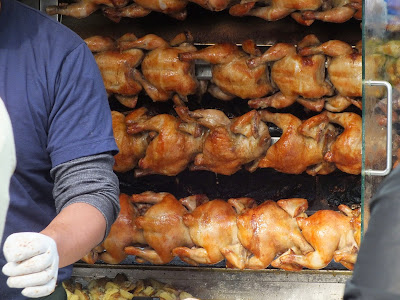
32, 263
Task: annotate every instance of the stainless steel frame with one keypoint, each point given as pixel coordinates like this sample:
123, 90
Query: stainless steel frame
227, 284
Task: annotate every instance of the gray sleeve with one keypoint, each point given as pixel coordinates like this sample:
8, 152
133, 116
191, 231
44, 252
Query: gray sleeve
88, 180
376, 274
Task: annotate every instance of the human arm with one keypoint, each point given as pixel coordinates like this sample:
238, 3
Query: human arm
86, 194
74, 235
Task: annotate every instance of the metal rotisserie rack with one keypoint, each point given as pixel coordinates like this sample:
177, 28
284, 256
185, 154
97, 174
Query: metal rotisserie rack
323, 192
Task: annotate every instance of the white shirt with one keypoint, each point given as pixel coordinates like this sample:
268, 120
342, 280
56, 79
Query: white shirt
7, 162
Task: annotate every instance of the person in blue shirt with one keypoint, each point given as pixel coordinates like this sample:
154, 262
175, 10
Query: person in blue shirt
63, 193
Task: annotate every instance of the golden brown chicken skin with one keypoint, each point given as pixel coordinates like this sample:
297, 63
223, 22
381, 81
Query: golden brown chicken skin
170, 150
276, 9
299, 78
123, 233
173, 8
268, 230
163, 228
332, 235
212, 227
163, 74
344, 71
301, 147
82, 8
345, 152
229, 144
231, 77
132, 147
116, 68
335, 11
214, 5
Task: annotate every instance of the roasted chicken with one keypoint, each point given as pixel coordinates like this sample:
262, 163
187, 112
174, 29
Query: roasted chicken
275, 9
231, 77
163, 73
345, 152
299, 78
212, 227
332, 234
163, 228
117, 68
123, 233
174, 8
129, 11
335, 11
270, 229
132, 147
141, 8
344, 72
392, 66
116, 9
171, 149
229, 144
83, 8
301, 147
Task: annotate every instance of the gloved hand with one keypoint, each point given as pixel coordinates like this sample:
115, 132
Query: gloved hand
32, 263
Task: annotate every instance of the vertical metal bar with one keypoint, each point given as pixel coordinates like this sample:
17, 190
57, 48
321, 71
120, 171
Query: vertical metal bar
44, 3
388, 168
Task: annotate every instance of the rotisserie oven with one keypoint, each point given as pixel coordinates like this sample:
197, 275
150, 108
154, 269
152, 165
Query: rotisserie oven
251, 137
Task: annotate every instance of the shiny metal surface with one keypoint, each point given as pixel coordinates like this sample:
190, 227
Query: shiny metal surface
224, 284
389, 101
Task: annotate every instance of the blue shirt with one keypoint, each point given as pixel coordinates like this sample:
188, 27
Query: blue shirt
58, 106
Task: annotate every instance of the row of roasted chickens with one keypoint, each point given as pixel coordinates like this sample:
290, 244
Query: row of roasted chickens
317, 75
304, 12
206, 139
156, 228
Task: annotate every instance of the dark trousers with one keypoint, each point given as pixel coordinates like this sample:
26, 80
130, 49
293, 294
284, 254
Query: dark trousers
58, 294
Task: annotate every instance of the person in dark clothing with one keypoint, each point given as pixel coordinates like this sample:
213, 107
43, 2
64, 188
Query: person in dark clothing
376, 274
63, 193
